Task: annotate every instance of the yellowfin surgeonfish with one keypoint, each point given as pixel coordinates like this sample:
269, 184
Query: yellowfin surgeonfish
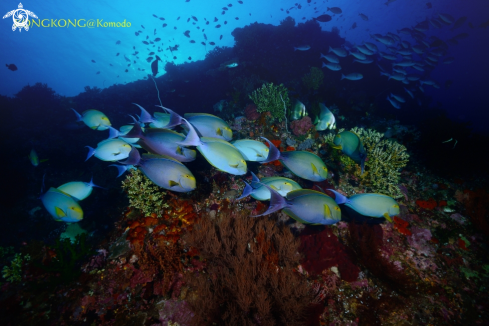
258, 191
371, 205
252, 150
61, 206
162, 170
208, 125
326, 119
305, 206
110, 150
303, 164
351, 145
94, 119
218, 152
78, 189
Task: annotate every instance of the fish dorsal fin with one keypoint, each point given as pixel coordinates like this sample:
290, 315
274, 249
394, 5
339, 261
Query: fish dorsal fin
190, 115
314, 169
162, 157
327, 212
303, 192
59, 212
173, 183
216, 140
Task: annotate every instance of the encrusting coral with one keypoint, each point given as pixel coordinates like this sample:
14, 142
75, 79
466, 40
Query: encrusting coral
271, 98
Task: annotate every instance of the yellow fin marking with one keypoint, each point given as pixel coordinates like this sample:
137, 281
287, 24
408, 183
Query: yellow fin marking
59, 212
327, 212
387, 217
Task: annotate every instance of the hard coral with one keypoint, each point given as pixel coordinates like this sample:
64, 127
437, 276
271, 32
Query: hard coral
302, 126
273, 99
385, 159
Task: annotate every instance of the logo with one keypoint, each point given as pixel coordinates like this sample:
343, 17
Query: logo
20, 17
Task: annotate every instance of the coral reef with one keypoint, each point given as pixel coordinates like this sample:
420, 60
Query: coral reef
251, 112
302, 126
249, 275
13, 273
144, 195
273, 99
385, 159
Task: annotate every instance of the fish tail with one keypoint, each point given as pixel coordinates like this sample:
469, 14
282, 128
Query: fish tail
145, 116
121, 168
342, 76
273, 153
133, 159
91, 151
277, 202
135, 132
113, 133
248, 190
339, 198
78, 115
192, 138
254, 178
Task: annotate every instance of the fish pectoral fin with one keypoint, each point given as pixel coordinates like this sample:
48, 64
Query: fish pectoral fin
179, 150
337, 146
234, 165
314, 169
327, 211
274, 188
115, 154
59, 212
219, 131
387, 217
173, 183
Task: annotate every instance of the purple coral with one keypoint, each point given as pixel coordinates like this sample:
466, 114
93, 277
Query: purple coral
302, 126
174, 311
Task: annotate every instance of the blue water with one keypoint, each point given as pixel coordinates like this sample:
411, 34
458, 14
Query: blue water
61, 57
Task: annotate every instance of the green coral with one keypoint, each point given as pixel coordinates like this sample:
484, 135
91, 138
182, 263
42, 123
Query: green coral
313, 79
13, 273
385, 159
144, 195
273, 99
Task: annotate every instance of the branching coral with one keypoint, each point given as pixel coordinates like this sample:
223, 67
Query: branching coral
250, 278
13, 273
272, 99
385, 160
313, 79
144, 195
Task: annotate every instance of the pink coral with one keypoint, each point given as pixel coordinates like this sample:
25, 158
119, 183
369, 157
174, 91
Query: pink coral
251, 113
419, 241
302, 126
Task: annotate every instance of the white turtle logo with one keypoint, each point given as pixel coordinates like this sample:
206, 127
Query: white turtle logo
20, 17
